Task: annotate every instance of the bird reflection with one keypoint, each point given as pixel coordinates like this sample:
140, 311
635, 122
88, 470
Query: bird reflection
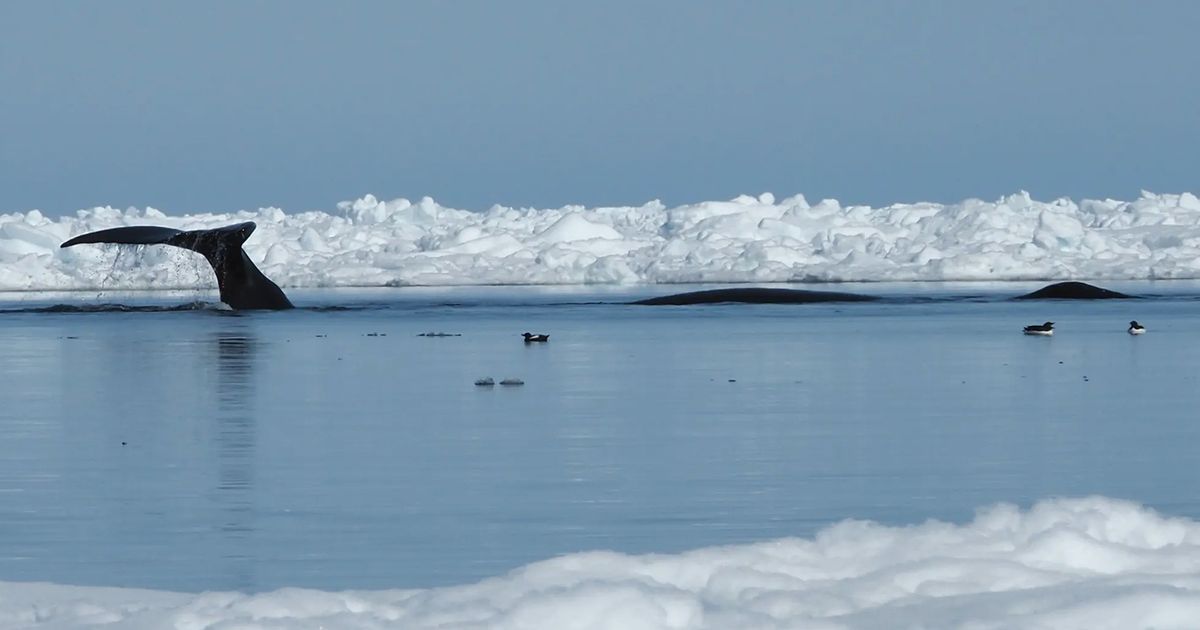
236, 441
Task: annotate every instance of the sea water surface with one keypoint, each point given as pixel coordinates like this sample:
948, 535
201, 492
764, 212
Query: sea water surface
334, 447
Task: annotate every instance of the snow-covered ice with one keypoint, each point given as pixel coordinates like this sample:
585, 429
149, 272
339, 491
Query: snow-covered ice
369, 242
1063, 563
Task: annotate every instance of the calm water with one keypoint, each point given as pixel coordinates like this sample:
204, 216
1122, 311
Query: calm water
337, 449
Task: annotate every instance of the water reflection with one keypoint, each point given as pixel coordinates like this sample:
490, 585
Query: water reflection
235, 448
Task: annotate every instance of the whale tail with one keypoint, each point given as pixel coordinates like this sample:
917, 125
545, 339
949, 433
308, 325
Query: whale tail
242, 285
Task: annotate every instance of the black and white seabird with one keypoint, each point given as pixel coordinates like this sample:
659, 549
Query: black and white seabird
1136, 328
1046, 329
531, 338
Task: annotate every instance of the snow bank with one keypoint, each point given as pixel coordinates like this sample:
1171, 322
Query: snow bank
391, 243
1065, 563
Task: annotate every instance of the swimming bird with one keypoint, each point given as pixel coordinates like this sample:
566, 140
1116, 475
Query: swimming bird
1046, 329
1136, 328
531, 338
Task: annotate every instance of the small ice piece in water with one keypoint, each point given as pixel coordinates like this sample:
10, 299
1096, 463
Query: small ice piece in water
485, 381
512, 381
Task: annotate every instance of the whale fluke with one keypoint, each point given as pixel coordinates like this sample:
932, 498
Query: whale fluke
242, 285
750, 295
1073, 291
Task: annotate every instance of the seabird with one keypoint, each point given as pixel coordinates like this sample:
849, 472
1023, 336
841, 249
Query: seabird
1046, 329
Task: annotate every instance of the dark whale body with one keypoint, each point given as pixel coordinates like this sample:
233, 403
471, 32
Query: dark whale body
755, 296
1074, 291
242, 285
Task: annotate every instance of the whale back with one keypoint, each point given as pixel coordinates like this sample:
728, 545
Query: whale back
754, 295
1073, 291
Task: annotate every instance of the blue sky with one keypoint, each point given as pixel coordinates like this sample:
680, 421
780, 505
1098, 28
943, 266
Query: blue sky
220, 106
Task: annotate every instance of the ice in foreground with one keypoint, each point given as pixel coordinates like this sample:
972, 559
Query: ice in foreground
748, 239
1064, 563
